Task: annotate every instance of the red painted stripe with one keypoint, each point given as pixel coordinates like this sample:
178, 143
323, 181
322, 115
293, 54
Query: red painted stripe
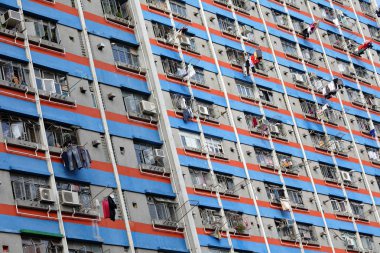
124, 119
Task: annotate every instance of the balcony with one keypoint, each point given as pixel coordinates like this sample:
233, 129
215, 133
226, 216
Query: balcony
292, 3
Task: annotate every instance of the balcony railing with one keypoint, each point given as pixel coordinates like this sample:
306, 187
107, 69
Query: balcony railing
118, 13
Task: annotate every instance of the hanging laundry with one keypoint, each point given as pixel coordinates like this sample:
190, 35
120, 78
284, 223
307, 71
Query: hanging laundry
332, 88
190, 72
187, 114
182, 103
373, 155
76, 157
378, 12
321, 112
372, 132
106, 208
112, 207
310, 29
254, 122
252, 62
360, 49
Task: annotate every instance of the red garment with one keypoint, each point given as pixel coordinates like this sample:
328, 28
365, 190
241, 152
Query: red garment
254, 122
106, 208
364, 46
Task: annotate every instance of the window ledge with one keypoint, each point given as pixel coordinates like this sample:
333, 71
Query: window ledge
120, 21
168, 224
37, 205
18, 87
10, 33
56, 97
152, 119
23, 144
154, 169
129, 67
158, 7
46, 44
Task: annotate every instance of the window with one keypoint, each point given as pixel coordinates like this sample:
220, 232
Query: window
289, 48
235, 221
306, 232
362, 72
37, 245
145, 154
295, 197
281, 19
264, 158
60, 136
163, 32
332, 116
191, 141
357, 209
116, 8
275, 193
355, 96
308, 54
42, 29
178, 9
27, 187
266, 96
339, 206
366, 7
285, 160
226, 183
162, 209
210, 218
319, 140
285, 229
227, 25
19, 128
350, 240
240, 4
235, 57
214, 146
245, 90
85, 248
84, 194
298, 76
173, 68
374, 32
201, 178
247, 32
336, 40
14, 72
51, 82
124, 54
363, 124
371, 101
329, 172
159, 4
132, 103
327, 13
309, 108
367, 242
298, 25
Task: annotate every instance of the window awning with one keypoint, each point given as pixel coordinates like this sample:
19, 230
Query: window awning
40, 233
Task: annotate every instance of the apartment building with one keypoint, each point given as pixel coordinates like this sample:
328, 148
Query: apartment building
189, 126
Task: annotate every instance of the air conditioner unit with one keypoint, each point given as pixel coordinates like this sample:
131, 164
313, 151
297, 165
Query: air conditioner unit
185, 41
70, 198
46, 195
346, 176
148, 107
159, 154
10, 18
350, 242
203, 110
274, 129
299, 78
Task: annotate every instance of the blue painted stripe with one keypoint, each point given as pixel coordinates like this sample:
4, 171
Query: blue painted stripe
134, 132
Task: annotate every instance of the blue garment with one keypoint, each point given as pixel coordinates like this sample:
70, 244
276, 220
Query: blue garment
186, 115
372, 132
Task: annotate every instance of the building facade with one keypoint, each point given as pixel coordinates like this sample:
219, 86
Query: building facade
189, 126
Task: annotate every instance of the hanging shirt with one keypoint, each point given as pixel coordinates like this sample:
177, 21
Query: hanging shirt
372, 132
254, 122
106, 208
